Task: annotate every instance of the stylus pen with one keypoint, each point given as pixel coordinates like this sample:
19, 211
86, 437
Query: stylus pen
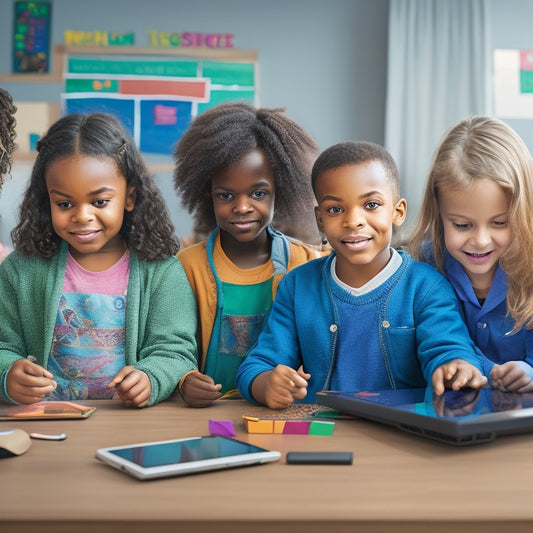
43, 436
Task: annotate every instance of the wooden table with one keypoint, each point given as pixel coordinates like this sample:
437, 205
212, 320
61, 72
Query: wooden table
398, 482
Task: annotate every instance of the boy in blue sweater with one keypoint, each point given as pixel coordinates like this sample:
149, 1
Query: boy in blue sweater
367, 317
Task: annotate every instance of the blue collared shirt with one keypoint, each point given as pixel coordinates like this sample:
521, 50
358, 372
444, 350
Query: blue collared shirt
490, 324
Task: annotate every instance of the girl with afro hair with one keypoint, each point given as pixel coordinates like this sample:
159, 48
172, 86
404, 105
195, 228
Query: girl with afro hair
241, 172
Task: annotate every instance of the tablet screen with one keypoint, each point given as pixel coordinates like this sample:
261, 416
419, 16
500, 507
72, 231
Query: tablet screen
184, 451
462, 404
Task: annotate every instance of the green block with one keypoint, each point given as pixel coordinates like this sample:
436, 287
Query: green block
321, 428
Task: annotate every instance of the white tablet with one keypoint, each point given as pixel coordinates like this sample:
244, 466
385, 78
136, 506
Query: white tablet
151, 460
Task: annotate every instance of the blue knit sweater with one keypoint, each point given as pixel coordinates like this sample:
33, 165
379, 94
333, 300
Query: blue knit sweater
419, 328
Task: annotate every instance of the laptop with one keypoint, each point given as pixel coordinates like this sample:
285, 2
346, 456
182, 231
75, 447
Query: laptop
460, 418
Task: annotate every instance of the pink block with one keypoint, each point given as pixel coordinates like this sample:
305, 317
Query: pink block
296, 427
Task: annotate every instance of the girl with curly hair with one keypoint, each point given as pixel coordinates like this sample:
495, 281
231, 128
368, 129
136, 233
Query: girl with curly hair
238, 169
7, 144
94, 302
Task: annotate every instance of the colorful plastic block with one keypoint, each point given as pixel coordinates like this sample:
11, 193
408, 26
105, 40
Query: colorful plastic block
224, 428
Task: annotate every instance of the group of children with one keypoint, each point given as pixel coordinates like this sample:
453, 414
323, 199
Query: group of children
98, 300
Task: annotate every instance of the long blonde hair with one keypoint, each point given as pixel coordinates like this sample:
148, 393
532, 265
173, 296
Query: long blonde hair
485, 148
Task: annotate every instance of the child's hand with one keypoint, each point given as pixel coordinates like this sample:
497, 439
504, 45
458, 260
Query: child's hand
284, 385
455, 375
516, 376
199, 390
133, 386
28, 382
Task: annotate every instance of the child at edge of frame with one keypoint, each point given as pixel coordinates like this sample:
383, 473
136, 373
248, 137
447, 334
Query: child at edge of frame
475, 226
7, 145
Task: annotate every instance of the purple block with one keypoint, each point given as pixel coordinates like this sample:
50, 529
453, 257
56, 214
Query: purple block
224, 428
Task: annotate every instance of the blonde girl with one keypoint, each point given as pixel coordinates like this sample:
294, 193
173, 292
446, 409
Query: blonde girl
476, 227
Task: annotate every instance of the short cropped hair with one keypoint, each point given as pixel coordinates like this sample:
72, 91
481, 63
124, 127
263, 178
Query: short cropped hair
355, 153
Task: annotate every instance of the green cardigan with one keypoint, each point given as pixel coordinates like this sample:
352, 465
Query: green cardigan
160, 316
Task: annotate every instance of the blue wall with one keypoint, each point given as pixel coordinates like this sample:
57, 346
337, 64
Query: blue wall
324, 61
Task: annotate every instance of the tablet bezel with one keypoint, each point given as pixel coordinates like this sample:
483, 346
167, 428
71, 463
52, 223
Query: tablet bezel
191, 467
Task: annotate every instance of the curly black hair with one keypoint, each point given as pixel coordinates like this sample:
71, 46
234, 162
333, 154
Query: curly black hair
7, 133
225, 134
147, 230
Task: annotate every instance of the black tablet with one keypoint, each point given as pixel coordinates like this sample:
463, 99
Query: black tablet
457, 417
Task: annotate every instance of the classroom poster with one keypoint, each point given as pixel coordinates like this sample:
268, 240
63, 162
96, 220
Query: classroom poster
31, 37
513, 83
156, 98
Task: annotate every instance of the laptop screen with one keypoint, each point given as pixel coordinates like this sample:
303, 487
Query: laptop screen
457, 417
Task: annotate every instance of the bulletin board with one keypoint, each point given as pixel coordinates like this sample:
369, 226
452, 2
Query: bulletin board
155, 93
513, 83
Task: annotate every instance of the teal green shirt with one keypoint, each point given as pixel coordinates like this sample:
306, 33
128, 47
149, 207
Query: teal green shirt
236, 329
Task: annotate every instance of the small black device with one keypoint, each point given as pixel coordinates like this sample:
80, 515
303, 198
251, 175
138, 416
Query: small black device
319, 458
